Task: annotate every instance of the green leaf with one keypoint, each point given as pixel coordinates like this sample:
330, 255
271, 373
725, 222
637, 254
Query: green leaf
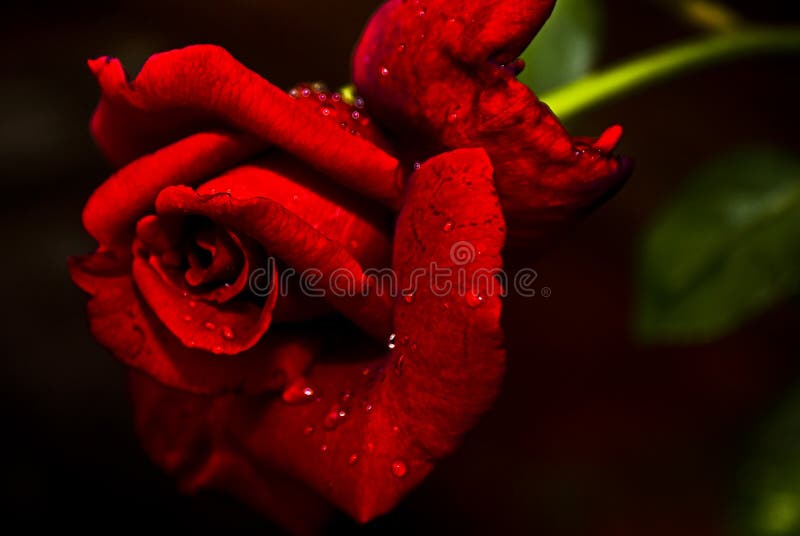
767, 500
566, 48
726, 249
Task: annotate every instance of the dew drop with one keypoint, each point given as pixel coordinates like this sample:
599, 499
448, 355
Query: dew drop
217, 349
322, 97
448, 226
353, 459
326, 111
367, 407
299, 392
305, 92
346, 396
355, 115
294, 92
409, 297
334, 418
209, 326
323, 449
390, 343
422, 11
359, 102
399, 468
384, 71
308, 430
452, 117
336, 97
401, 48
227, 333
474, 299
417, 165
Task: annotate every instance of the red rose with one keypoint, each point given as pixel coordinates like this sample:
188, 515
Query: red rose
276, 396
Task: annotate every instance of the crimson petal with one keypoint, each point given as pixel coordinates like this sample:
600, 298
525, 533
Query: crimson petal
209, 85
382, 422
294, 241
121, 322
434, 72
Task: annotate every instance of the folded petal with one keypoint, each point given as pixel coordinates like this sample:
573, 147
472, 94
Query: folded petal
295, 242
440, 74
206, 84
112, 211
125, 325
376, 424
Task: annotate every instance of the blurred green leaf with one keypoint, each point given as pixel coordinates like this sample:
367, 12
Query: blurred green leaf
566, 48
767, 501
724, 250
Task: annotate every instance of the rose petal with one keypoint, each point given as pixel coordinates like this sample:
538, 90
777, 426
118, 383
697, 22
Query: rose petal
293, 240
121, 322
216, 459
432, 73
361, 226
112, 211
400, 414
206, 83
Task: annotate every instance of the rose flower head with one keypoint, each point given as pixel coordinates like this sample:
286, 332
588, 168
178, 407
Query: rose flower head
304, 288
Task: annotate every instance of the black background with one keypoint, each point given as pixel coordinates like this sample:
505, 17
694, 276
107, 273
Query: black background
592, 435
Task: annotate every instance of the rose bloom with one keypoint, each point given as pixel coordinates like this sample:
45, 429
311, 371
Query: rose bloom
292, 402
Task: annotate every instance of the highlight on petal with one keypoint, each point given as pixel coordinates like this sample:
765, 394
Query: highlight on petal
372, 426
441, 74
201, 87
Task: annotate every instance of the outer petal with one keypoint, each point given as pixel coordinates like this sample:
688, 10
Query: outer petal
121, 322
207, 85
434, 72
381, 422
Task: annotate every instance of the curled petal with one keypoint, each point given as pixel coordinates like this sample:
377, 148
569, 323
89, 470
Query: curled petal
385, 418
112, 211
435, 73
295, 242
121, 322
207, 84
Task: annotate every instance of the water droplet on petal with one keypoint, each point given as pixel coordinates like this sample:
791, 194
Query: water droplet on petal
422, 11
474, 299
305, 92
401, 48
448, 226
209, 325
384, 71
299, 392
399, 468
217, 349
355, 115
308, 430
353, 459
390, 343
227, 332
417, 165
334, 418
323, 449
409, 297
346, 396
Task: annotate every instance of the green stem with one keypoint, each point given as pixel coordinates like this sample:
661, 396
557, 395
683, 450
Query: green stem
650, 68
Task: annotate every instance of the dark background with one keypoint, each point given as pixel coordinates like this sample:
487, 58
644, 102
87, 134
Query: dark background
592, 434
